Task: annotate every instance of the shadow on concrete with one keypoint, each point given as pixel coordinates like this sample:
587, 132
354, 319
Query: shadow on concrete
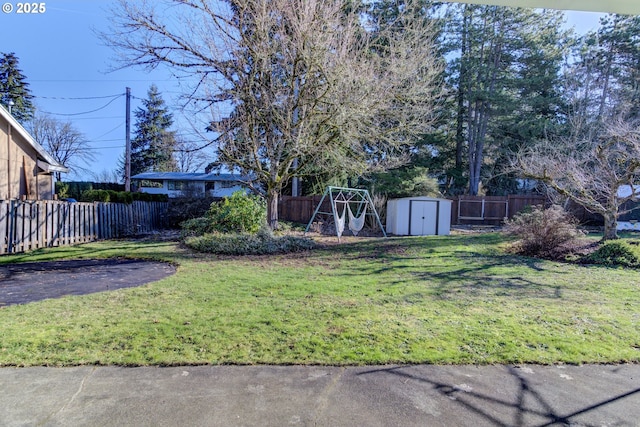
525, 404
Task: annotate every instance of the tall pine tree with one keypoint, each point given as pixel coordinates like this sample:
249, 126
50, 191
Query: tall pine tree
14, 88
505, 71
605, 79
153, 145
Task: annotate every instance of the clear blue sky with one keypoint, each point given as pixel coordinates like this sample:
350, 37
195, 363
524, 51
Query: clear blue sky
63, 58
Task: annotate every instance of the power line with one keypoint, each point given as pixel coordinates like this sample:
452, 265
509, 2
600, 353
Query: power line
101, 81
107, 133
86, 112
98, 118
104, 140
104, 148
78, 98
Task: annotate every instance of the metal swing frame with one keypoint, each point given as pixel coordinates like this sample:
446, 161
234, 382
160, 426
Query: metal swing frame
345, 195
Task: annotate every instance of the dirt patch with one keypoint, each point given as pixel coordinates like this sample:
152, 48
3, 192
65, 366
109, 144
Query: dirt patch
34, 281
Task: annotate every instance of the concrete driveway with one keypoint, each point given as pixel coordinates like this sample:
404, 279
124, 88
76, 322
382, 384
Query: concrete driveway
424, 395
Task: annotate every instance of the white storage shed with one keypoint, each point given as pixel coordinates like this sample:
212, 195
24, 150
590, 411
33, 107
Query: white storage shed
419, 216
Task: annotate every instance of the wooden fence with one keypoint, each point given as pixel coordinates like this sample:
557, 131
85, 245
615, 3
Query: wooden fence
298, 209
473, 210
491, 210
29, 225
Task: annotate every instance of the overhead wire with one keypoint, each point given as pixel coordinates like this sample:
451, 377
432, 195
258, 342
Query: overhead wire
78, 98
86, 112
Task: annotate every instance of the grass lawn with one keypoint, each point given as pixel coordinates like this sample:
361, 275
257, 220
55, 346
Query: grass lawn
442, 299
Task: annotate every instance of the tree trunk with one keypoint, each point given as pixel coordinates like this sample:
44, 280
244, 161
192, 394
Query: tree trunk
272, 209
460, 139
610, 227
607, 76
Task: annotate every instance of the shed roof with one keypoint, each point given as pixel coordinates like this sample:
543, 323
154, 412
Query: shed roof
50, 164
184, 176
423, 198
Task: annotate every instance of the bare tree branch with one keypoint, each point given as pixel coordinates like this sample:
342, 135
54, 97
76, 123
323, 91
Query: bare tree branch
66, 144
589, 170
301, 79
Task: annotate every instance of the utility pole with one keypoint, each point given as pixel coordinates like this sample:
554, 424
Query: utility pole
127, 153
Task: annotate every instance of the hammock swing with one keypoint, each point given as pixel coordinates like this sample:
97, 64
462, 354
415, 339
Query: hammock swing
356, 223
343, 202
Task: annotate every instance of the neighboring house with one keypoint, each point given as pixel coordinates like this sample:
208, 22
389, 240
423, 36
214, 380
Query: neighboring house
629, 221
26, 169
177, 184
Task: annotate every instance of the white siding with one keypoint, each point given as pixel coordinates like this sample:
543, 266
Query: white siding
419, 216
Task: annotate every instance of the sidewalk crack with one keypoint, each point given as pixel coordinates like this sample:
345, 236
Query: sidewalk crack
75, 395
323, 400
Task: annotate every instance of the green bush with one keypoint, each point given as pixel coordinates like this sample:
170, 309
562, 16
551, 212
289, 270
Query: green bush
240, 213
182, 209
261, 243
148, 197
95, 196
74, 189
541, 231
119, 196
196, 227
616, 252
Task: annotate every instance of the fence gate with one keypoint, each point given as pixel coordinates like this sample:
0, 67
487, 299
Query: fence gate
483, 209
492, 210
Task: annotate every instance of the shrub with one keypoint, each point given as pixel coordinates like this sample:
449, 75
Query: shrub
261, 243
542, 231
119, 196
196, 227
95, 196
149, 197
241, 213
616, 252
182, 209
74, 189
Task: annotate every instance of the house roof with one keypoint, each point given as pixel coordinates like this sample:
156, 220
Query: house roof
183, 176
45, 160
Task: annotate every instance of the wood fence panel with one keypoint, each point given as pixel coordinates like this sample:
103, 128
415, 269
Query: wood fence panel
29, 225
517, 203
4, 227
491, 210
19, 233
52, 224
42, 224
297, 209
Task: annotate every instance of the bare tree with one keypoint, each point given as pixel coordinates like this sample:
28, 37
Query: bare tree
299, 84
107, 176
188, 157
589, 169
66, 144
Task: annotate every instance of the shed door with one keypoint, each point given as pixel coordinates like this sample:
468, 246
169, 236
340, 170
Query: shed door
423, 217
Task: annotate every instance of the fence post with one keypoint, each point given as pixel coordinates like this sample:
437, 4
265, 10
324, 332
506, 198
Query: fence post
12, 226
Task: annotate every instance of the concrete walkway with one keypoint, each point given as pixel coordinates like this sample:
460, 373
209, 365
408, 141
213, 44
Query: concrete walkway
592, 395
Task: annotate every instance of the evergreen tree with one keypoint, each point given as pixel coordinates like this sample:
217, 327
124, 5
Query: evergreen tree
605, 80
505, 71
13, 87
153, 145
539, 106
